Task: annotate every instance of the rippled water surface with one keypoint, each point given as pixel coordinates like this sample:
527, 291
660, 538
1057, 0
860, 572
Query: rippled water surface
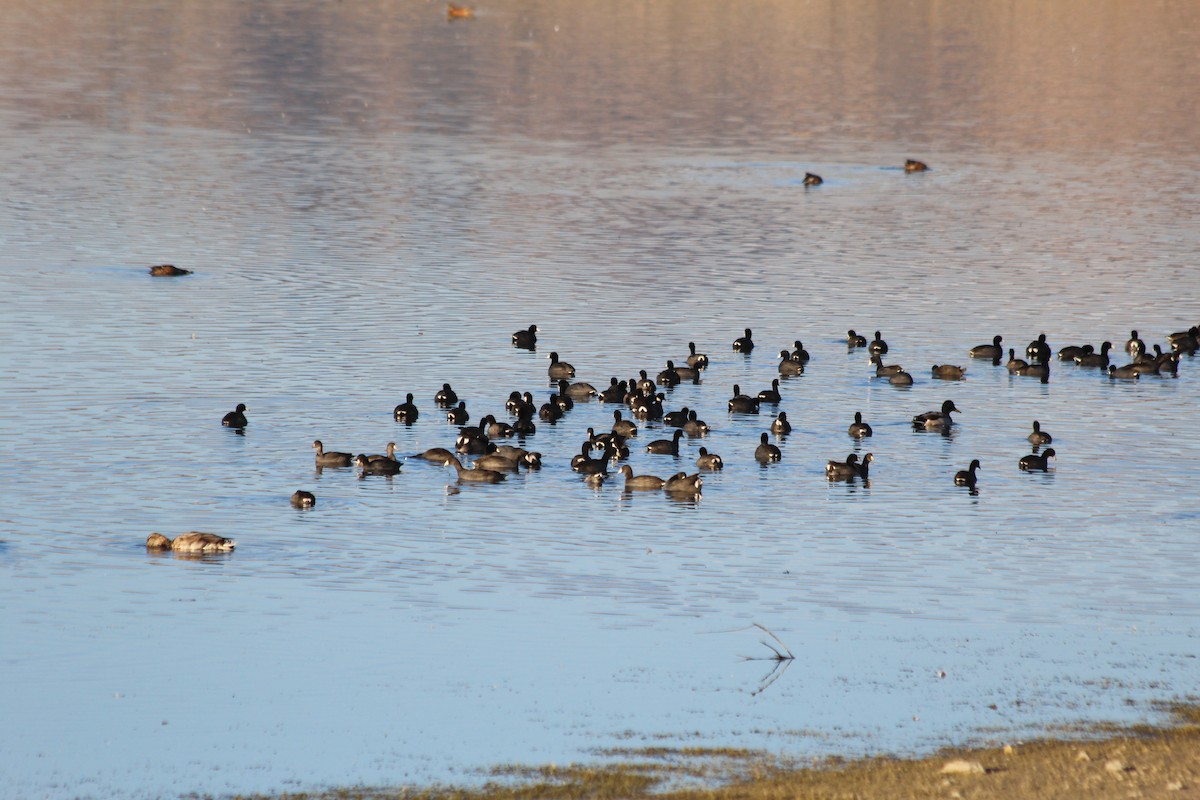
374, 198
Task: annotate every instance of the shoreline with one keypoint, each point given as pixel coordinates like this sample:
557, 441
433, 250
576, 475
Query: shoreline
1137, 761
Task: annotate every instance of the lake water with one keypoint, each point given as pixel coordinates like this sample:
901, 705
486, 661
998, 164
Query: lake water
373, 198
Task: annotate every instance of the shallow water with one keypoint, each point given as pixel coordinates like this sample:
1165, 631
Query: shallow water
374, 199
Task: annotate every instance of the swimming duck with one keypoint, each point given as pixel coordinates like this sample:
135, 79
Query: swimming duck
947, 372
901, 378
1095, 359
303, 499
1135, 343
855, 340
473, 440
495, 429
445, 396
526, 339
696, 360
744, 344
695, 426
789, 365
1071, 351
966, 477
1126, 372
877, 346
580, 390
884, 370
551, 411
709, 461
686, 374
849, 469
437, 455
168, 271
993, 351
191, 542
388, 455
812, 180
772, 395
766, 452
1040, 370
458, 415
682, 483
524, 426
640, 482
616, 391
668, 376
799, 354
936, 420
473, 475
859, 429
666, 446
559, 369
496, 462
1035, 462
235, 418
1038, 350
1039, 436
781, 426
332, 459
406, 412
1014, 364
584, 464
623, 427
911, 165
384, 466
676, 419
742, 404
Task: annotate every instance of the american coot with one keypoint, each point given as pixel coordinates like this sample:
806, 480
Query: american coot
993, 351
458, 415
495, 429
580, 390
407, 411
849, 469
694, 359
526, 339
191, 542
741, 403
496, 462
235, 418
789, 365
303, 499
1135, 343
766, 452
682, 483
709, 461
1039, 436
911, 165
615, 393
936, 420
878, 345
1071, 351
884, 370
1014, 364
551, 411
383, 466
666, 446
668, 376
859, 429
811, 179
799, 354
1034, 462
900, 379
388, 455
559, 369
947, 372
474, 475
966, 477
676, 419
445, 396
473, 440
1095, 359
781, 426
168, 271
640, 482
695, 426
331, 459
744, 344
1040, 370
772, 395
1038, 350
1127, 372
437, 455
623, 427
855, 340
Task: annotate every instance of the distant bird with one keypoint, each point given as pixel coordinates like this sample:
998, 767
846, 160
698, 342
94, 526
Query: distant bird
473, 475
789, 365
168, 271
623, 427
900, 379
640, 482
766, 452
911, 165
407, 411
1071, 351
966, 477
580, 390
709, 461
388, 455
445, 396
1135, 343
993, 351
695, 426
1034, 462
744, 344
855, 340
235, 418
1127, 372
877, 346
781, 426
526, 339
859, 429
382, 466
331, 459
884, 370
812, 180
694, 359
849, 469
741, 403
1038, 350
666, 446
772, 395
1039, 436
1014, 364
799, 354
1095, 359
1040, 370
191, 542
936, 420
682, 483
459, 414
303, 499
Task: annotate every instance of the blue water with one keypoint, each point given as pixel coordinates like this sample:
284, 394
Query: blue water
373, 200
